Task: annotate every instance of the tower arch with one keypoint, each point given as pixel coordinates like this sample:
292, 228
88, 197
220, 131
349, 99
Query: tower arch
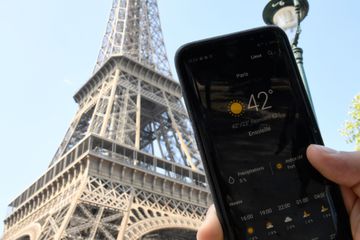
151, 225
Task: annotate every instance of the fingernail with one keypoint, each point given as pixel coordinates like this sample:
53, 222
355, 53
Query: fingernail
324, 149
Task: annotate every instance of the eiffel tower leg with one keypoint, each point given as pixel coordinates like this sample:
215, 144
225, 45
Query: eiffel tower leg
96, 223
110, 103
138, 116
57, 220
125, 220
99, 213
72, 208
179, 134
99, 121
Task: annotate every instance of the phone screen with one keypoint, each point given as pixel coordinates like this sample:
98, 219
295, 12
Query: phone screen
255, 123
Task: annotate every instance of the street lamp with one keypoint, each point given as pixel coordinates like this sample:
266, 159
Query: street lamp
287, 14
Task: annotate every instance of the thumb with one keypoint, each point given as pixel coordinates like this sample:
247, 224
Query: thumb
342, 168
211, 228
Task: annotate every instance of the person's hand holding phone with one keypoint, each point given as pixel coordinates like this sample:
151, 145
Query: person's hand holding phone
253, 121
342, 168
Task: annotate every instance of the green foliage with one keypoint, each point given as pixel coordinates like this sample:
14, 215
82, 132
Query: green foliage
351, 128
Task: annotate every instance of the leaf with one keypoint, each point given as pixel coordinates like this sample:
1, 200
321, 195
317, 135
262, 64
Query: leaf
351, 128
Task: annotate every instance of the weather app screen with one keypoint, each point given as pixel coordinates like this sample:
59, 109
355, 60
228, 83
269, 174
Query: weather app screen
260, 134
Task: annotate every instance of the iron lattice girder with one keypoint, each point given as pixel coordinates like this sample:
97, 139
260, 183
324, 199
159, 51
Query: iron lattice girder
134, 30
128, 165
102, 204
132, 67
69, 167
163, 101
126, 104
103, 178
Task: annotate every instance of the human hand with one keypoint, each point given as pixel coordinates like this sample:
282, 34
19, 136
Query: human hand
210, 228
342, 168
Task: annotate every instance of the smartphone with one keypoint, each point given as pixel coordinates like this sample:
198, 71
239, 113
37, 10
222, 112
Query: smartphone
253, 122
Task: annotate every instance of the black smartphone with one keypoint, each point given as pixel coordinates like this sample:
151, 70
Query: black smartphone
253, 122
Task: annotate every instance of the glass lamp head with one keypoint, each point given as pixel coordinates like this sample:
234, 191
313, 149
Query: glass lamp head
282, 13
286, 18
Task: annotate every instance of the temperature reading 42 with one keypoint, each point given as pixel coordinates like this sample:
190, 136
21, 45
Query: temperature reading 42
259, 101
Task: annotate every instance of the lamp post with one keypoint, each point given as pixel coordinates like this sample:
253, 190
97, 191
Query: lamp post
287, 14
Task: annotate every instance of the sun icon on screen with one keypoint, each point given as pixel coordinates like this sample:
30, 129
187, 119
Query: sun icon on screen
236, 108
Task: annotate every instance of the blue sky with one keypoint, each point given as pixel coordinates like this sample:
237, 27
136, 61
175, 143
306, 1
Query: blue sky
48, 50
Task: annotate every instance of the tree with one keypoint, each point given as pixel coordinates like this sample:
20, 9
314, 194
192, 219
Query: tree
351, 128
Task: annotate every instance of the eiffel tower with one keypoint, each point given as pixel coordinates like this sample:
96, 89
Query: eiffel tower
128, 166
